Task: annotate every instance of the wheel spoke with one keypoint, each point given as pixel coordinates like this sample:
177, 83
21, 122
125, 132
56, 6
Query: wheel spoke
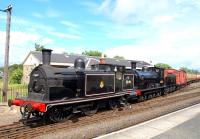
89, 111
59, 114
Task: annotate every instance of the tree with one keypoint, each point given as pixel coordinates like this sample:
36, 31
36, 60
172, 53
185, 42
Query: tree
38, 47
16, 76
14, 67
65, 53
163, 65
15, 73
93, 53
119, 57
1, 74
189, 70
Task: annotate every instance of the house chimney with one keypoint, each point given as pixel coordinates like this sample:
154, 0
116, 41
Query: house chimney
46, 56
102, 59
133, 65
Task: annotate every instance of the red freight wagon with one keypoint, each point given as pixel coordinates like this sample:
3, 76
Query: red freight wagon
181, 78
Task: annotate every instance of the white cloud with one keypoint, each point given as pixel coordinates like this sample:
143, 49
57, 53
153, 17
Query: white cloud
42, 27
18, 38
65, 35
38, 15
126, 32
176, 47
77, 49
21, 44
73, 30
105, 7
163, 19
52, 13
91, 5
24, 25
97, 23
58, 50
45, 41
24, 37
3, 17
133, 11
160, 31
157, 54
69, 24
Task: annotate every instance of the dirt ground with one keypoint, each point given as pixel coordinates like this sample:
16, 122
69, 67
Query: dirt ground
8, 115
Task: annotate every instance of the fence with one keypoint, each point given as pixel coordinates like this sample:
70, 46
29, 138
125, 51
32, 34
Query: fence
13, 92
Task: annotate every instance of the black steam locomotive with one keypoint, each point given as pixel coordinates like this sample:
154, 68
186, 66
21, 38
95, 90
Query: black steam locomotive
57, 93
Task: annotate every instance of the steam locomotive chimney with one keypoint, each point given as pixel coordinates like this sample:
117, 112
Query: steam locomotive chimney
46, 56
133, 65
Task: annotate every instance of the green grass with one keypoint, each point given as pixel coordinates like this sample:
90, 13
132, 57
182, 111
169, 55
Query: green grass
11, 85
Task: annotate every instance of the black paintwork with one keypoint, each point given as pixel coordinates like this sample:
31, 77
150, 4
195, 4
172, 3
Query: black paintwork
170, 79
149, 77
48, 83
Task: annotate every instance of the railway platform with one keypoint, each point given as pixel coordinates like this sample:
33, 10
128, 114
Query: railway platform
182, 124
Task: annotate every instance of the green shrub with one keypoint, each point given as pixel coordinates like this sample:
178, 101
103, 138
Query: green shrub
16, 76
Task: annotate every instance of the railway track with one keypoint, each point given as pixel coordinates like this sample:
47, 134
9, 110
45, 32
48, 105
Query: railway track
18, 130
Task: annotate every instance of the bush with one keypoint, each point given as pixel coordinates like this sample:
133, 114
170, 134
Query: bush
16, 76
14, 67
163, 65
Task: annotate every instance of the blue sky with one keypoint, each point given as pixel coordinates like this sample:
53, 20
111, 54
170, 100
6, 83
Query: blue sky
165, 31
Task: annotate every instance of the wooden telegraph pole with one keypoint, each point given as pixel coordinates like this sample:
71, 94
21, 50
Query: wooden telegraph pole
6, 61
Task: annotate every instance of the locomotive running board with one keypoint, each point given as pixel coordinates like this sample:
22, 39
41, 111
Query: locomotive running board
80, 100
151, 89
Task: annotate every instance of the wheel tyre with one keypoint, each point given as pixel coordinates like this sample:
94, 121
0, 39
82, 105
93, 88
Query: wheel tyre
140, 99
90, 110
59, 114
112, 104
